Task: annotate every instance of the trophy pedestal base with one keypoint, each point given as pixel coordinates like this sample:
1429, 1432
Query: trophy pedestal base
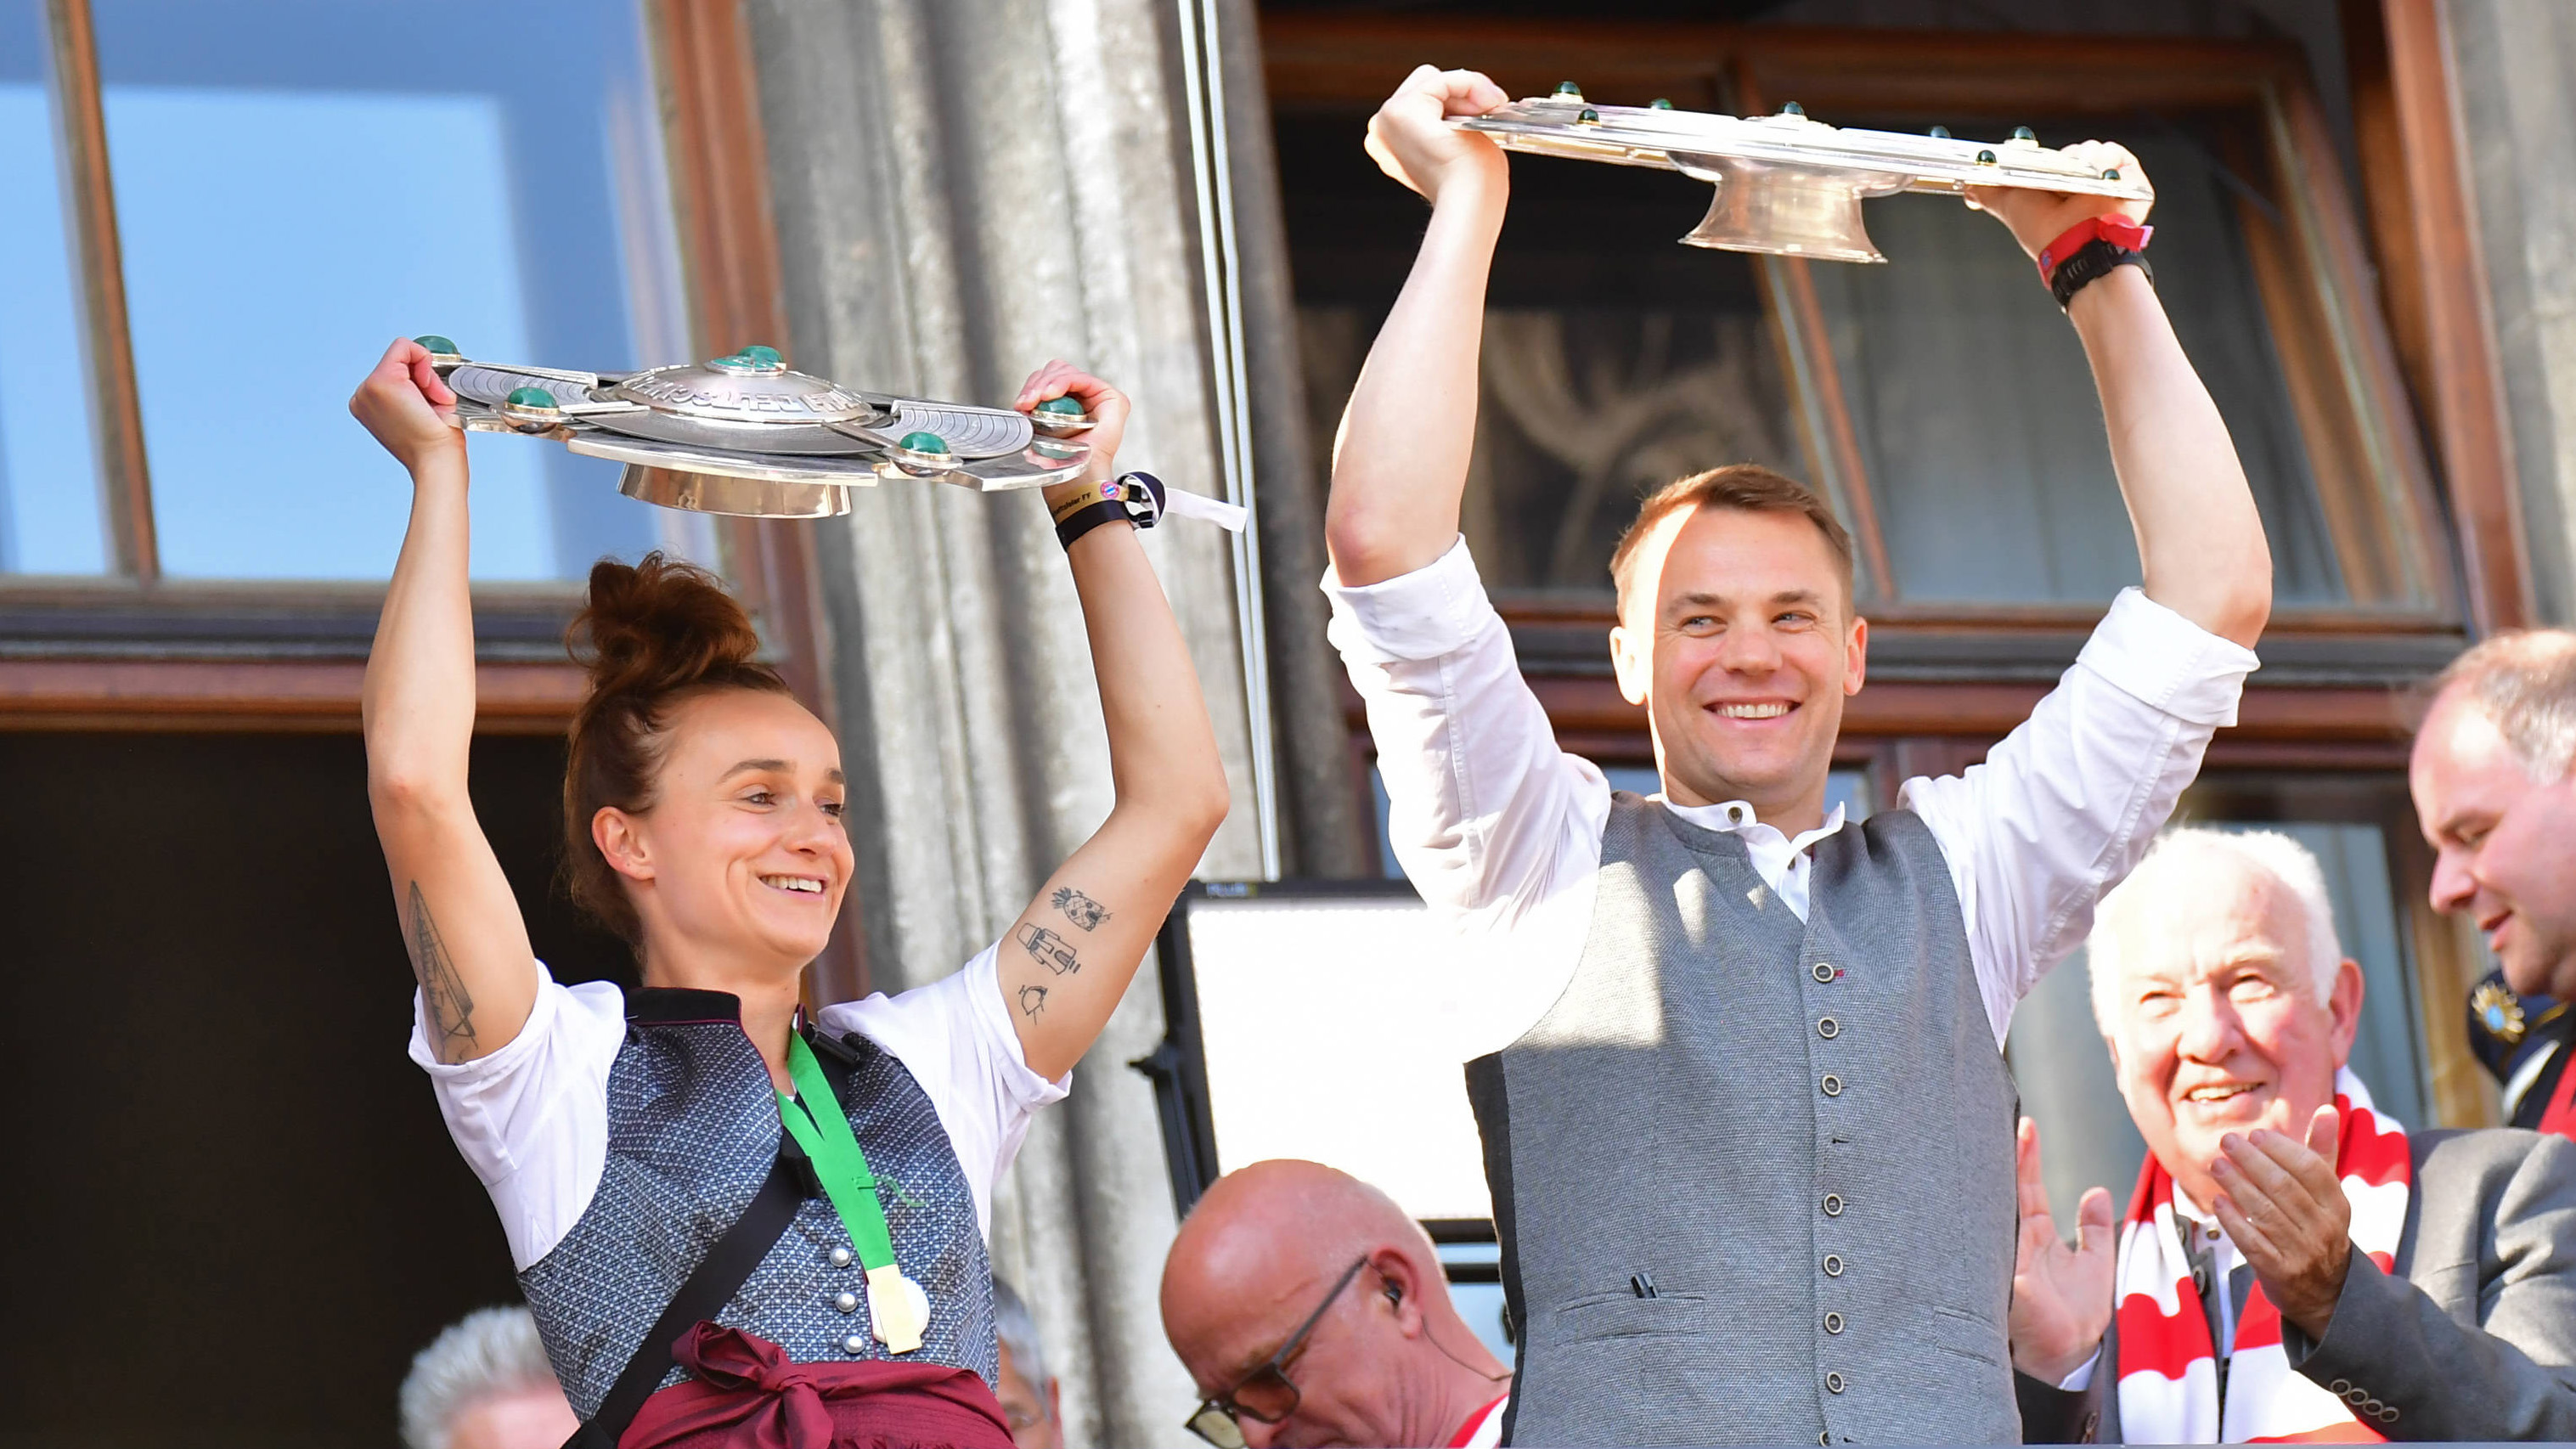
741, 497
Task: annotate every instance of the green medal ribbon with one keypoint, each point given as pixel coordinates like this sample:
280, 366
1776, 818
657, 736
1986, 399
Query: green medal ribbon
898, 1309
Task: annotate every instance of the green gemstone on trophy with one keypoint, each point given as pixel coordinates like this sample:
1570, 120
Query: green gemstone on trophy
1568, 88
1792, 108
762, 356
530, 397
2025, 133
1940, 133
1590, 116
435, 343
930, 443
1985, 158
1659, 104
1061, 407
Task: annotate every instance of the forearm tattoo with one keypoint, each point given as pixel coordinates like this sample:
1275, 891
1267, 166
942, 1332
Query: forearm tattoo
1080, 909
1052, 951
1033, 1000
444, 999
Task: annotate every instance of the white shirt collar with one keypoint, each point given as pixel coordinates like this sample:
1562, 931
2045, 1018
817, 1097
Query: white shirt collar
1735, 817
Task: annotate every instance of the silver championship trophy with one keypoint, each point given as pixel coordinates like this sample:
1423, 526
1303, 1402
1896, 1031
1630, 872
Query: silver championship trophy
1786, 185
744, 435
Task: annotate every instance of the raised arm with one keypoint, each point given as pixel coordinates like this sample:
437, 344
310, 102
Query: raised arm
1400, 464
469, 947
1067, 960
2200, 541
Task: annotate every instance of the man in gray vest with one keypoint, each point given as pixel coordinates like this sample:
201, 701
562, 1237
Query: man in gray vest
1737, 1061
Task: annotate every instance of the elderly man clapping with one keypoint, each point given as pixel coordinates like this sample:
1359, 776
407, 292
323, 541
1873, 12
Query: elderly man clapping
2294, 1264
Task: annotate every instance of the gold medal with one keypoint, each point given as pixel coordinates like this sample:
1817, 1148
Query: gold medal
898, 1309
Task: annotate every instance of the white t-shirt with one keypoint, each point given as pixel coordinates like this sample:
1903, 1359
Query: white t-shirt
532, 1118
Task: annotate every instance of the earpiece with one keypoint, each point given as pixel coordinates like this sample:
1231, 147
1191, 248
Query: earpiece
1394, 1295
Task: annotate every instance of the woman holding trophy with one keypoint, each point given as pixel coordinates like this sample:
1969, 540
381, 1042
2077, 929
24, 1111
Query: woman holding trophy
737, 1222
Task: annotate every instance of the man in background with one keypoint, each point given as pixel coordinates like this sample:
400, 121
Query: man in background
1311, 1309
2294, 1265
1031, 1398
485, 1384
2494, 778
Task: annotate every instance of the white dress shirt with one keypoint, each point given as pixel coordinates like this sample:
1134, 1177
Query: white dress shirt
532, 1118
1501, 830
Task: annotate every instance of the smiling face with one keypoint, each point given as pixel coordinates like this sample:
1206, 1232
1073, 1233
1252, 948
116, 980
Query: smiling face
739, 864
1737, 634
2501, 841
2219, 1027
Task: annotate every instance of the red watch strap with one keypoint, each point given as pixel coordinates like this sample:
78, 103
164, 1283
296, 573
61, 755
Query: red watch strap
2118, 230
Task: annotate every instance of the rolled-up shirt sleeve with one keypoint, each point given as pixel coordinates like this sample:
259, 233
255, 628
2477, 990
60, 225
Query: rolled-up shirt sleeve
2062, 809
1487, 816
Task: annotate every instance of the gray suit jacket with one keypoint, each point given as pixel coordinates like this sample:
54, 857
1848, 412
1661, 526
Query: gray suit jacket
2472, 1337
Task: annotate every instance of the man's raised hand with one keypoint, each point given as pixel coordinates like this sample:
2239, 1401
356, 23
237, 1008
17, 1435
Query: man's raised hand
2061, 1300
1410, 140
2040, 217
409, 409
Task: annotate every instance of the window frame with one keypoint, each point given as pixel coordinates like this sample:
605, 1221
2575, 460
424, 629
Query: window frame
130, 649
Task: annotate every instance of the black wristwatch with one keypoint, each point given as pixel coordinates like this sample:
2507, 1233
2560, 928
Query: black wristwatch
2093, 261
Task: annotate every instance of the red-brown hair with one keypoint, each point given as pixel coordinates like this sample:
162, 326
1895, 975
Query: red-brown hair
1745, 488
651, 636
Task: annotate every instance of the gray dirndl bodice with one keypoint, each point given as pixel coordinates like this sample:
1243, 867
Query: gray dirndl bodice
692, 1132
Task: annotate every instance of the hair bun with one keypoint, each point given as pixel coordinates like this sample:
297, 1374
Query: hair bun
659, 626
650, 635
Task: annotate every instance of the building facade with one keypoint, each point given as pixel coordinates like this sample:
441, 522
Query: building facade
215, 214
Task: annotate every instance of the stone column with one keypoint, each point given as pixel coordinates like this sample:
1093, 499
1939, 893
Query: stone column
964, 189
2514, 80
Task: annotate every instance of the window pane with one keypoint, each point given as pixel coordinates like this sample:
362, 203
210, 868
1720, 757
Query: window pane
51, 519
1975, 409
298, 183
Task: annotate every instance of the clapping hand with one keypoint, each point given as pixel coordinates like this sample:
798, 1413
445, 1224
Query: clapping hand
2061, 1301
2284, 1209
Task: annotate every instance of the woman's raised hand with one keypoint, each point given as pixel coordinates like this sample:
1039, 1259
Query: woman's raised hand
409, 408
1106, 406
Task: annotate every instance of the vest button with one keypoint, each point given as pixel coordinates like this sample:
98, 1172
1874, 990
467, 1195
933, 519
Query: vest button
1833, 1204
1833, 1265
840, 1257
1825, 1436
1833, 1085
1828, 1028
854, 1345
847, 1303
1822, 971
1833, 1383
1833, 1323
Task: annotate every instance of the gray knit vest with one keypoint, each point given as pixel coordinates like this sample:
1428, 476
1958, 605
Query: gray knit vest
692, 1131
1754, 1177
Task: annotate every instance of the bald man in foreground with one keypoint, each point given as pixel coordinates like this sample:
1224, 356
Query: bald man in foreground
1311, 1310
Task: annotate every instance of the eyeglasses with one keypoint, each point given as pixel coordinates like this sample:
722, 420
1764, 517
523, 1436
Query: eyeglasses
1265, 1395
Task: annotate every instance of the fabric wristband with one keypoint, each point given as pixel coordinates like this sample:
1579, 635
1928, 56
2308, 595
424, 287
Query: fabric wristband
2092, 262
2118, 230
1090, 516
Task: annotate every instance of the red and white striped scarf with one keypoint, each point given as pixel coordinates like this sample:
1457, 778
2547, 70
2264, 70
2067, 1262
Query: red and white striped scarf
2168, 1368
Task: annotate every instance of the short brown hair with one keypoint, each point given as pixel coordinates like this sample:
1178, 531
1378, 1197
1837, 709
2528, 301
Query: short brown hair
1745, 488
651, 636
2525, 681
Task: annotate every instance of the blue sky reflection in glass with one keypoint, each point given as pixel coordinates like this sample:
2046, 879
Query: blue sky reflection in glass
297, 184
51, 517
